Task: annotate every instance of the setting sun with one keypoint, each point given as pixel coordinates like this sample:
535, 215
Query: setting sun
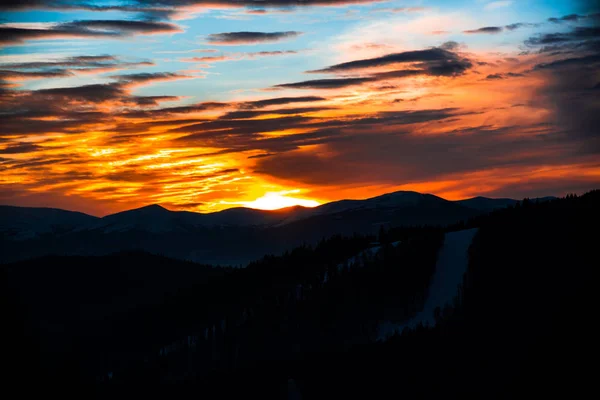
274, 201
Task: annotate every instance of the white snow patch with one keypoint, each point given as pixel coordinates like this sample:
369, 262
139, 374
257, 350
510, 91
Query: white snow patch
449, 270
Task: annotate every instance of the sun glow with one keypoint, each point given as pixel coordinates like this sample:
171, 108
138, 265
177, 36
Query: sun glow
274, 201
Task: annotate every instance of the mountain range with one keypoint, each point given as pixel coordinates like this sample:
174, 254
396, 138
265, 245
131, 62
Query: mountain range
234, 236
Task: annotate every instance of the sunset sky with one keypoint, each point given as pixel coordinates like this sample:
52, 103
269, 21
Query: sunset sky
206, 105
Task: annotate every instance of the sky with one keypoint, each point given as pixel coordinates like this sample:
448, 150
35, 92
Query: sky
203, 105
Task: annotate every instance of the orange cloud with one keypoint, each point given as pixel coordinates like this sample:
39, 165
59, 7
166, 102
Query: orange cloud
101, 148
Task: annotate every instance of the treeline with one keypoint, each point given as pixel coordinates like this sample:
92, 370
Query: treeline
524, 329
322, 299
136, 319
523, 325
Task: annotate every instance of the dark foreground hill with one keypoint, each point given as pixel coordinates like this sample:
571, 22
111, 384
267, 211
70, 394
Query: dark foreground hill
523, 329
518, 328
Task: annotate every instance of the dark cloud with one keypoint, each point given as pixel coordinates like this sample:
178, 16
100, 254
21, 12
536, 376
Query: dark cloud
85, 29
499, 76
577, 34
79, 63
512, 27
450, 46
10, 35
23, 75
571, 47
376, 152
283, 111
122, 26
566, 93
434, 61
448, 68
326, 83
153, 100
148, 77
280, 101
95, 93
402, 73
570, 62
519, 25
19, 148
567, 18
161, 5
153, 10
71, 109
435, 54
61, 68
74, 103
237, 38
262, 155
169, 111
485, 29
244, 135
216, 128
373, 154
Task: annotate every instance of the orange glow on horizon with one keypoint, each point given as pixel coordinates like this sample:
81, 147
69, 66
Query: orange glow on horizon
276, 201
453, 136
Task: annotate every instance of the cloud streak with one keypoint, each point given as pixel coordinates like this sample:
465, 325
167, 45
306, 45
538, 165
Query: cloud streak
157, 5
85, 29
245, 38
485, 29
379, 110
239, 56
435, 61
430, 62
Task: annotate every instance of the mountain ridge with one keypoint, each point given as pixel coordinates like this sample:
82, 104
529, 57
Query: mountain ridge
229, 237
159, 219
332, 204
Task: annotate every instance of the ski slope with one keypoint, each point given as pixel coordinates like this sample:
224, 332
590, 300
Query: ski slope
449, 270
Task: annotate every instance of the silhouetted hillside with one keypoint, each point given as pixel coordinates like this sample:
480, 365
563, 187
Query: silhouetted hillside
522, 329
235, 236
23, 223
128, 324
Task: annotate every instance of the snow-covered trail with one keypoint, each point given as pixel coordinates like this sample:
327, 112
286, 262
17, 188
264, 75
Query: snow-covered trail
450, 266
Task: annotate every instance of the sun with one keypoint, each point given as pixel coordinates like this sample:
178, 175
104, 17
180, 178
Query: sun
274, 201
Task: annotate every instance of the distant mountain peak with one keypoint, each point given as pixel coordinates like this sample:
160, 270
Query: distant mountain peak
153, 207
402, 198
402, 194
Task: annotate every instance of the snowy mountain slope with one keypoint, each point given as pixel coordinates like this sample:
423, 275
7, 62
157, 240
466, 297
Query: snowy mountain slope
449, 270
